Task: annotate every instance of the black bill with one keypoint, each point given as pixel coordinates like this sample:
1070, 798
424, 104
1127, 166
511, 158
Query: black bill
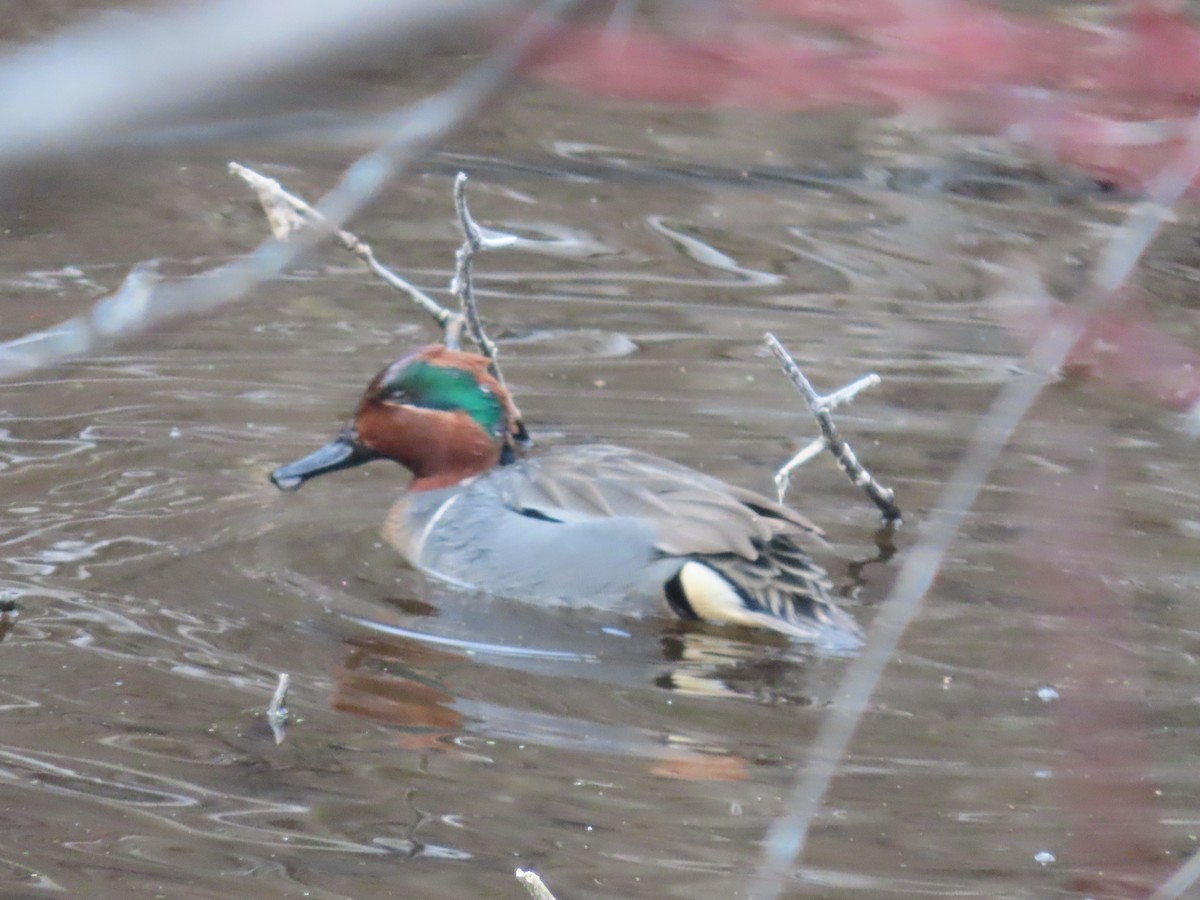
343, 452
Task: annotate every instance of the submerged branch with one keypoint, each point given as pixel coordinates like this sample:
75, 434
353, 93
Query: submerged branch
821, 408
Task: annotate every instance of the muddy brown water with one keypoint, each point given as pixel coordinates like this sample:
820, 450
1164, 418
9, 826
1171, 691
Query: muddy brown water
440, 739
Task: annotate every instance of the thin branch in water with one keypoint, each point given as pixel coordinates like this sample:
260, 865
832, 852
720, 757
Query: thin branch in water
821, 408
786, 837
783, 477
847, 394
287, 214
277, 711
474, 240
415, 129
534, 885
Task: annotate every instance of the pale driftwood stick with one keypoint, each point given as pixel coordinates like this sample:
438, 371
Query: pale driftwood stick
277, 711
850, 391
534, 885
474, 240
287, 214
820, 407
783, 477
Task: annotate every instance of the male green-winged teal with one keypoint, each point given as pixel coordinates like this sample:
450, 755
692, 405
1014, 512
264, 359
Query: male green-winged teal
592, 525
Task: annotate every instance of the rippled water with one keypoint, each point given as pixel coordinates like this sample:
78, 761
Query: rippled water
440, 739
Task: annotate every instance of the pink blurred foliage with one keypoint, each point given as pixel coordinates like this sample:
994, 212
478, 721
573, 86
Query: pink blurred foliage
1116, 100
1113, 99
1118, 345
1105, 772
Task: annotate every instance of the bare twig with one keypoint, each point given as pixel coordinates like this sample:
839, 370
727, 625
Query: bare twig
474, 240
821, 408
811, 450
786, 838
288, 213
534, 885
277, 711
415, 130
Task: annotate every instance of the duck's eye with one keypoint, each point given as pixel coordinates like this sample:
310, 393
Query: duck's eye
396, 394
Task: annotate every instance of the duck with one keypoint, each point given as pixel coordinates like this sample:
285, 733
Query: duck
579, 525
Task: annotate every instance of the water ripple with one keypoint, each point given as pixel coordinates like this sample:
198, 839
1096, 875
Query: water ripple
174, 803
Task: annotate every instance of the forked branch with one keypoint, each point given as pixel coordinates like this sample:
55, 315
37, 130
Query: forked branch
287, 214
474, 240
822, 410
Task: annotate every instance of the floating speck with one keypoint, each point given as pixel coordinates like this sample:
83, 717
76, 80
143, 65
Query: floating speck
175, 432
615, 632
1046, 693
1044, 858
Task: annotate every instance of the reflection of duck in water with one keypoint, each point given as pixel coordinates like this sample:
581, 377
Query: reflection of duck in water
404, 682
591, 525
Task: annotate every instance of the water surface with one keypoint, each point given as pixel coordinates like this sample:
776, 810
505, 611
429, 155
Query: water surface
440, 739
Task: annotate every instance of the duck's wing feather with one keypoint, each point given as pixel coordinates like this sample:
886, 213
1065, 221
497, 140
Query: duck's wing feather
691, 513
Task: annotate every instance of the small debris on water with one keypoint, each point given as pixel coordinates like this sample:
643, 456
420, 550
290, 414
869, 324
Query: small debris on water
1044, 858
615, 632
277, 711
1046, 693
